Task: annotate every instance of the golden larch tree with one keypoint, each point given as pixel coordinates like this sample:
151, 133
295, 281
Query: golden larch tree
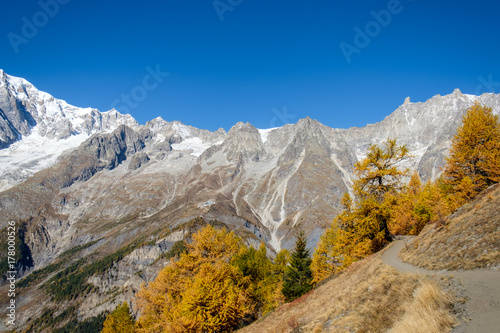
201, 292
474, 160
119, 321
362, 228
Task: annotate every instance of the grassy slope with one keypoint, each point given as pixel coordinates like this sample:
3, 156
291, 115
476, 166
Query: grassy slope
372, 297
369, 296
470, 239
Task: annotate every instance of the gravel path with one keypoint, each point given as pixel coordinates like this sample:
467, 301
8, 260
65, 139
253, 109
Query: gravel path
482, 288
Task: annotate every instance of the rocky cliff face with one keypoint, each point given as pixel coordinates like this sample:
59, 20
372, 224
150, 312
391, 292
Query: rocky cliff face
125, 183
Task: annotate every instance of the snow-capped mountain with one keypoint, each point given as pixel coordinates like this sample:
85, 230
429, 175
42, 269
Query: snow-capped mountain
272, 178
35, 128
122, 181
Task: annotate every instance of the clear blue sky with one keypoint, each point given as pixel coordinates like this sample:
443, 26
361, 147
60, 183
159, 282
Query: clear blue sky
267, 62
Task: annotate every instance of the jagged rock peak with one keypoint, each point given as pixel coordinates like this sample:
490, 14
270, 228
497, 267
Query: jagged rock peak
243, 127
308, 121
183, 130
44, 124
221, 131
308, 125
407, 100
156, 124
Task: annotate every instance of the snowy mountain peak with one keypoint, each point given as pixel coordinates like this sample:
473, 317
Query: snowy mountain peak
242, 127
156, 124
32, 120
181, 129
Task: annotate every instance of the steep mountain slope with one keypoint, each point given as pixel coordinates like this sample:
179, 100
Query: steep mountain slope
36, 127
130, 191
369, 296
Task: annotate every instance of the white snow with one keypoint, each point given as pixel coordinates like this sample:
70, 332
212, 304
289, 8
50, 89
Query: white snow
265, 132
32, 154
182, 129
277, 200
206, 204
55, 118
195, 144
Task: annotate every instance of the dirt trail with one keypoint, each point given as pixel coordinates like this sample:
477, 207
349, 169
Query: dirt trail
482, 288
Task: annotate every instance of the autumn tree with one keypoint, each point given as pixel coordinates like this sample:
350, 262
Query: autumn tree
378, 174
363, 227
201, 292
297, 279
214, 301
264, 277
413, 207
380, 171
120, 320
327, 255
281, 261
474, 160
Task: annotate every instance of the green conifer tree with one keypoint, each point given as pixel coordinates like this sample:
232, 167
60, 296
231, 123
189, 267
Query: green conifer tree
297, 279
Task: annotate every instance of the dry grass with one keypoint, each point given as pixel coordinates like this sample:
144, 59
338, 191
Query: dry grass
470, 239
429, 311
367, 297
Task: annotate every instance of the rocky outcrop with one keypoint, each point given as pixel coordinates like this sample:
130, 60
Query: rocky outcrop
138, 160
102, 151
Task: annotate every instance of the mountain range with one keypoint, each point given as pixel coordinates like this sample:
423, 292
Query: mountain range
75, 176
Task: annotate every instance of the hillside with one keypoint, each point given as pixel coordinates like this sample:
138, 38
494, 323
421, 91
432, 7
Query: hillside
369, 296
468, 239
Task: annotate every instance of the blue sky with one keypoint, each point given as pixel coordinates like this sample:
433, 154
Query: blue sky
345, 63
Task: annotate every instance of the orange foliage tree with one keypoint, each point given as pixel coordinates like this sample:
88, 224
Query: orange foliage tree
201, 292
363, 227
119, 321
474, 161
